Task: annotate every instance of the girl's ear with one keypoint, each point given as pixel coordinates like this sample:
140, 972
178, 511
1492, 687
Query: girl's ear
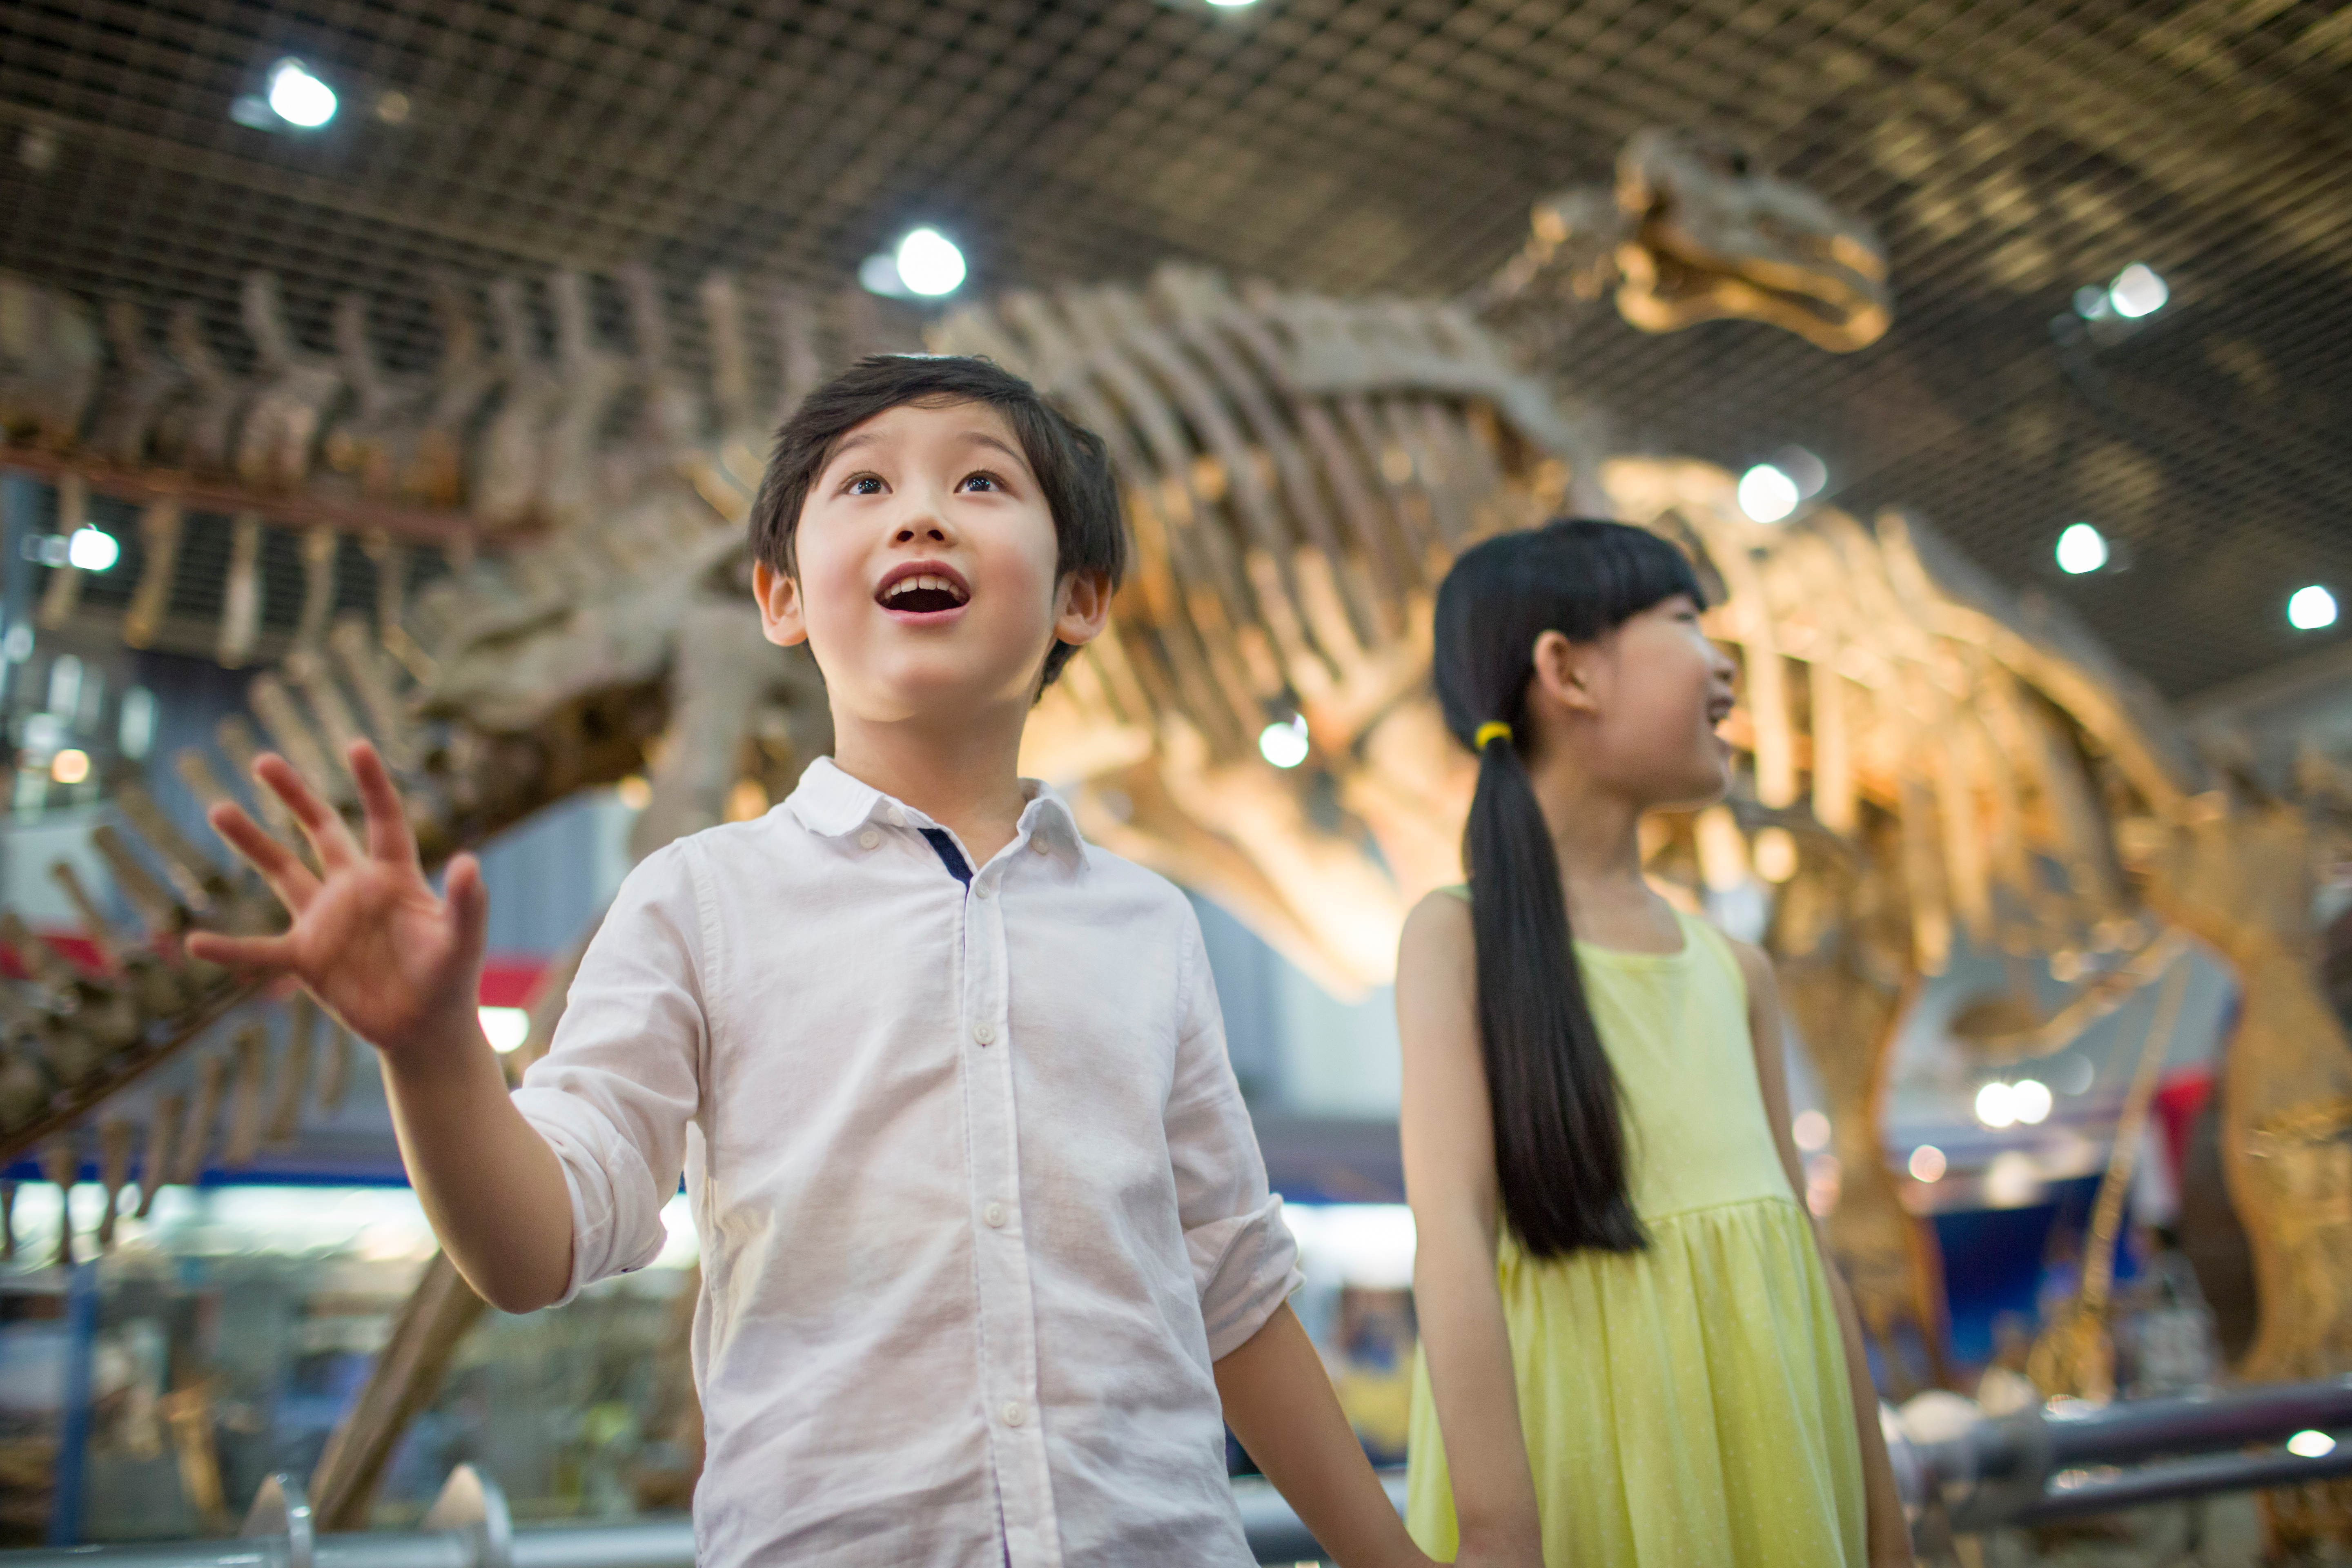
1084, 607
1563, 671
781, 620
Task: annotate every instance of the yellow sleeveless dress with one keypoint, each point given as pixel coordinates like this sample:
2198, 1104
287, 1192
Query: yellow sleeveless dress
1685, 1406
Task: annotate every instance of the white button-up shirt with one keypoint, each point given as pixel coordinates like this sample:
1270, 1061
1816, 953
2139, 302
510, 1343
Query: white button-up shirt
977, 1198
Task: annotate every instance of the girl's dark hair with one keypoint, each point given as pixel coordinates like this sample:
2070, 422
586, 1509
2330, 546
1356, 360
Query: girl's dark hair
1072, 466
1560, 1146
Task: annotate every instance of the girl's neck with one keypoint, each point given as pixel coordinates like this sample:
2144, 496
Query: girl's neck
1596, 836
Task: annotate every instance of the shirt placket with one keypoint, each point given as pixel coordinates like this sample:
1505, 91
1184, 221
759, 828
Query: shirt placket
1008, 1317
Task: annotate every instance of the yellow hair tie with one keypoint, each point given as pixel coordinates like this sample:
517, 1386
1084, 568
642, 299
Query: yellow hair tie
1493, 729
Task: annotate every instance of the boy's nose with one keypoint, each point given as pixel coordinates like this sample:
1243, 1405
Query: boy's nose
923, 522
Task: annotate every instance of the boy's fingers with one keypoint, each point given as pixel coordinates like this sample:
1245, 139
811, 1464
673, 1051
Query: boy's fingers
388, 835
261, 954
287, 877
320, 824
469, 902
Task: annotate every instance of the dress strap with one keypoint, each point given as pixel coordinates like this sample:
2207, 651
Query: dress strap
1701, 933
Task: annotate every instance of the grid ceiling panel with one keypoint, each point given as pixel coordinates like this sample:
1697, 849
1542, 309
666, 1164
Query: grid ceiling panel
2009, 151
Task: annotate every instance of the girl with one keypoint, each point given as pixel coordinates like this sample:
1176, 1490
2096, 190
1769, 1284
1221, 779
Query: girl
1636, 1351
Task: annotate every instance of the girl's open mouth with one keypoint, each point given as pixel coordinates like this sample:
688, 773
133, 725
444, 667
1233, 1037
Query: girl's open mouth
923, 591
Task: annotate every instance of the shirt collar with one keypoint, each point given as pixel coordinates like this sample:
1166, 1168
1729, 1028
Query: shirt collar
831, 804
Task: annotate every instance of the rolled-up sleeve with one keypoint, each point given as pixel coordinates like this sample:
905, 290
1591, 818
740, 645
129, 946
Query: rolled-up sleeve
1244, 1263
616, 1091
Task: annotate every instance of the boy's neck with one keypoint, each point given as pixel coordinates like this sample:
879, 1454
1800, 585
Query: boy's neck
963, 776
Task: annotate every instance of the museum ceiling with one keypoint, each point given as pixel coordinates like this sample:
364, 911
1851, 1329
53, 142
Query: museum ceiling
2008, 152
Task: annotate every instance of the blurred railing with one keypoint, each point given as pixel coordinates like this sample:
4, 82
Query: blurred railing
2029, 1469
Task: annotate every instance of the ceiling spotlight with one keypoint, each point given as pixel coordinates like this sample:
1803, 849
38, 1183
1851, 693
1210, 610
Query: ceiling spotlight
1231, 5
929, 264
92, 550
1996, 1106
2311, 608
1775, 855
298, 97
1767, 494
1283, 745
69, 766
878, 274
1808, 472
2137, 291
2030, 1099
2311, 1445
1927, 1163
2081, 549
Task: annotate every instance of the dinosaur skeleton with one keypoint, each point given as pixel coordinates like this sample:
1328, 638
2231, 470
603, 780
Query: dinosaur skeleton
1298, 471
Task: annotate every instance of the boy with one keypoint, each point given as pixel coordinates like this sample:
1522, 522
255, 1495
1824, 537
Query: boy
986, 1237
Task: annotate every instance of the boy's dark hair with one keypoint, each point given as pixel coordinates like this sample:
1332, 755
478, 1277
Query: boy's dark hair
1560, 1147
1072, 466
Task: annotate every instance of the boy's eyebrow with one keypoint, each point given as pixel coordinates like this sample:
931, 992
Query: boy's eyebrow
856, 439
985, 439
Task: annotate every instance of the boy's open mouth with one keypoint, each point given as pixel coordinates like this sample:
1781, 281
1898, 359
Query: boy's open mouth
923, 588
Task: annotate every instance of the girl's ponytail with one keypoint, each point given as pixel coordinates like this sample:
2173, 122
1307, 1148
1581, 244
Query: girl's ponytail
1559, 1143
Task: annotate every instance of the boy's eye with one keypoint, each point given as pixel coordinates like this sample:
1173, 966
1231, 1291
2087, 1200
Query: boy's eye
982, 480
863, 485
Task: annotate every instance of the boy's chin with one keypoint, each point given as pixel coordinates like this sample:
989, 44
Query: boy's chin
942, 692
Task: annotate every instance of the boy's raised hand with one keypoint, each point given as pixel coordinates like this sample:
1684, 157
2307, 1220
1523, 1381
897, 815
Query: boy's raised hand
395, 961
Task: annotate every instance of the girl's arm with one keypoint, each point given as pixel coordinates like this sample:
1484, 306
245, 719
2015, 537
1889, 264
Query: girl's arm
1449, 1178
1890, 1533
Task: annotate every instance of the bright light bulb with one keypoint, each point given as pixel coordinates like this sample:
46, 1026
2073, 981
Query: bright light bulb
2081, 548
2030, 1099
1767, 494
508, 1027
2137, 291
298, 97
1927, 1163
92, 550
1283, 745
69, 766
2311, 608
1812, 1131
929, 263
1996, 1106
2309, 1444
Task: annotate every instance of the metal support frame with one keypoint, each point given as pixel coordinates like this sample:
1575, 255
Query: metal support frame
2038, 1467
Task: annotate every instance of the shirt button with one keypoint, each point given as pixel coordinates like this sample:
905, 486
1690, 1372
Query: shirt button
984, 1032
899, 816
1014, 1414
995, 1214
985, 889
1041, 846
869, 839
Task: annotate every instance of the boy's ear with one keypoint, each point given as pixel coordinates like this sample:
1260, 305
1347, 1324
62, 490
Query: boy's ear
781, 620
1084, 608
